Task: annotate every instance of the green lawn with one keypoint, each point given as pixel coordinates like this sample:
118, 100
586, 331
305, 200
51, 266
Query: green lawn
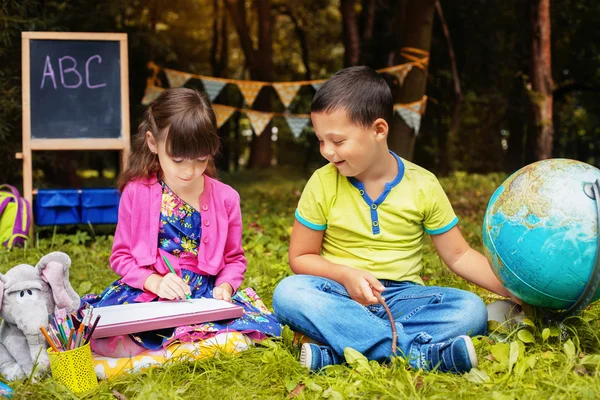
539, 361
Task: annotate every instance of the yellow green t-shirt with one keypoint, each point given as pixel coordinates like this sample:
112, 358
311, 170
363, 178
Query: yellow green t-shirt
383, 236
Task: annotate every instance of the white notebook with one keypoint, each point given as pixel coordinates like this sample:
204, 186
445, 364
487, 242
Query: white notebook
139, 317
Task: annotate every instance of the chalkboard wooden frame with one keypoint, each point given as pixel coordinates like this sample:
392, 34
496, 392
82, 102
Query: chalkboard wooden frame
30, 143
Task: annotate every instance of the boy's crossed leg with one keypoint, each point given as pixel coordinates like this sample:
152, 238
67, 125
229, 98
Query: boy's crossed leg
430, 322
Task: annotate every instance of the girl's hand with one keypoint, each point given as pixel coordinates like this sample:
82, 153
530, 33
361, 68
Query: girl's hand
168, 287
223, 292
360, 286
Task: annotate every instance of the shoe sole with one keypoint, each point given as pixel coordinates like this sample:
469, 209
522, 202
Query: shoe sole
471, 351
306, 356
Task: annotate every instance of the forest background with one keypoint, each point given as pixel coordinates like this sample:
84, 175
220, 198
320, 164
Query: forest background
507, 82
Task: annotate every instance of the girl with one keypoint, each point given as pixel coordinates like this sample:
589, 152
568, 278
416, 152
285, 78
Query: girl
173, 207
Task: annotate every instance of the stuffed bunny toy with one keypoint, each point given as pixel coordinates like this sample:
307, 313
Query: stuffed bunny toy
28, 295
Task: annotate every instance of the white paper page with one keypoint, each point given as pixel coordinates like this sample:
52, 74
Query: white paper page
156, 309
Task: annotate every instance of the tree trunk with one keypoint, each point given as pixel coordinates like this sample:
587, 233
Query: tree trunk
446, 148
286, 9
219, 60
260, 65
414, 31
540, 93
351, 38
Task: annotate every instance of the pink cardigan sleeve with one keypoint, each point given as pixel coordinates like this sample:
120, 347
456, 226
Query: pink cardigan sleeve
233, 257
121, 259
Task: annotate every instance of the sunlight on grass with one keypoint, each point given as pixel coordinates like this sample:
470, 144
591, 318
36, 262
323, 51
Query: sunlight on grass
538, 360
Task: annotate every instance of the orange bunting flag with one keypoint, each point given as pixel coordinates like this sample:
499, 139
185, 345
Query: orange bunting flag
259, 120
222, 113
176, 78
250, 90
151, 93
286, 92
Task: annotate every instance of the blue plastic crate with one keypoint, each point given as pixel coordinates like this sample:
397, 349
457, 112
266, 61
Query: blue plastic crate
57, 207
99, 206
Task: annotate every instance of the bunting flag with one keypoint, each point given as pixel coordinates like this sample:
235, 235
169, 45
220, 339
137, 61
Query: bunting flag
222, 113
297, 124
213, 87
411, 113
286, 92
401, 73
258, 120
177, 78
250, 90
151, 93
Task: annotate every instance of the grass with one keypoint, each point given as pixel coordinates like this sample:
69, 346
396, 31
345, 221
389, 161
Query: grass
539, 361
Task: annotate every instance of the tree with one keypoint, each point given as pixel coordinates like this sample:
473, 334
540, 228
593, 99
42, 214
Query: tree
540, 93
400, 24
259, 62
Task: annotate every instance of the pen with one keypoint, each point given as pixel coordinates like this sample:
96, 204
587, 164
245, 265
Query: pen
187, 296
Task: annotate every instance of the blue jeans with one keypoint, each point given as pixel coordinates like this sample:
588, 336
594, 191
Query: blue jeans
322, 309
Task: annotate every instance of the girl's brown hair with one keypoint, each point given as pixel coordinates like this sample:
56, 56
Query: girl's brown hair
185, 119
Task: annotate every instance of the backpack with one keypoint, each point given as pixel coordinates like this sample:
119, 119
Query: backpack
15, 217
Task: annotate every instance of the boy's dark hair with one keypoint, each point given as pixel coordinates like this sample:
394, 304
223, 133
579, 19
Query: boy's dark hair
361, 91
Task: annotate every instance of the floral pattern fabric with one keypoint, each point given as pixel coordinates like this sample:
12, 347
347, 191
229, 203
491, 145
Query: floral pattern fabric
179, 234
180, 226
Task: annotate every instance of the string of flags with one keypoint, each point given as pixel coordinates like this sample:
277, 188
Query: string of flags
411, 113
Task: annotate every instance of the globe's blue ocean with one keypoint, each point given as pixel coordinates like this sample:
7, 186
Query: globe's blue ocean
540, 232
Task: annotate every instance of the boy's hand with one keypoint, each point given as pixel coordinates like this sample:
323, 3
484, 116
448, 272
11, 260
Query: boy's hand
223, 292
168, 287
360, 286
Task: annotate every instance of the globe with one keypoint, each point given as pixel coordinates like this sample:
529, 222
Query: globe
540, 232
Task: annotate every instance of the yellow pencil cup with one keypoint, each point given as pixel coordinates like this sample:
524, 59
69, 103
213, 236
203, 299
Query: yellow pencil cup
74, 368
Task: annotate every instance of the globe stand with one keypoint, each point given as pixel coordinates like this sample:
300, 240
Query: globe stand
592, 190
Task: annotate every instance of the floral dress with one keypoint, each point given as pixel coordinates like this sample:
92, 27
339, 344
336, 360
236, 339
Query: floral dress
180, 231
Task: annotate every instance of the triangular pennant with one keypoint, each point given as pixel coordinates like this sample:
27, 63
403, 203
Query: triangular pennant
151, 93
286, 92
258, 120
222, 113
401, 73
411, 115
297, 124
250, 90
317, 85
212, 87
177, 78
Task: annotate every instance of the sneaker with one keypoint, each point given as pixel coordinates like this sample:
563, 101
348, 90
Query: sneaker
315, 357
456, 355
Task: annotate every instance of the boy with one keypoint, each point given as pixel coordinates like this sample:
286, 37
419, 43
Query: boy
359, 229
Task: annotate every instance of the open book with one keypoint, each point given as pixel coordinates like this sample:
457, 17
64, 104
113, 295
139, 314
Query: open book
139, 317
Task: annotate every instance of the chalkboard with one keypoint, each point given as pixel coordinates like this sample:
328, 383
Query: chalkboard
75, 89
75, 95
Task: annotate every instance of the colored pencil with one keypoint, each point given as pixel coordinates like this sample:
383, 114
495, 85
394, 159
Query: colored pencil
187, 296
50, 341
70, 339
